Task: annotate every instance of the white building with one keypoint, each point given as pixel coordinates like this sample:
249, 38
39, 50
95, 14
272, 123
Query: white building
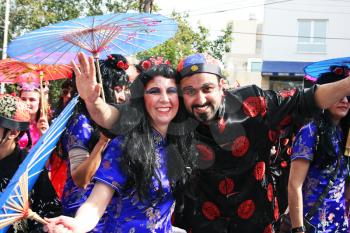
243, 63
298, 32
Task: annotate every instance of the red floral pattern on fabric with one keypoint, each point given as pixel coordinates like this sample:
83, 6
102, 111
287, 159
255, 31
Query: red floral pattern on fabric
268, 229
276, 211
210, 210
270, 192
246, 209
285, 141
285, 121
206, 153
240, 146
221, 125
259, 171
287, 93
272, 134
284, 164
226, 186
253, 105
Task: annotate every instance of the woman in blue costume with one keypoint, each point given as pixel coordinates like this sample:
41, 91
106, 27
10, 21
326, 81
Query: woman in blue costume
313, 165
84, 142
141, 167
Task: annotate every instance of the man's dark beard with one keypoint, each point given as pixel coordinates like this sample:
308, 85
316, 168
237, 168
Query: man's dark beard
202, 116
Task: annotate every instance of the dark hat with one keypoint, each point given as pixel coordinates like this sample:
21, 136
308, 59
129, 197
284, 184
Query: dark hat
14, 113
335, 73
199, 63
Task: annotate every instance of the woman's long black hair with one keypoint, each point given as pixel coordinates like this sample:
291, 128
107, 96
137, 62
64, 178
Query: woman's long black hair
326, 128
139, 149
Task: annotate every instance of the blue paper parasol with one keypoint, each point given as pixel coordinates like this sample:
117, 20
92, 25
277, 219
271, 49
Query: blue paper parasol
124, 33
14, 204
314, 70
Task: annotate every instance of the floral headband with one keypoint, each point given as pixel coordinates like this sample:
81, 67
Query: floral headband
340, 70
146, 64
120, 64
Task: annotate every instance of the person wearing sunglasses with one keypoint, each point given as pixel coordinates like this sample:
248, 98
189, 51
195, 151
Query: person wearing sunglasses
317, 157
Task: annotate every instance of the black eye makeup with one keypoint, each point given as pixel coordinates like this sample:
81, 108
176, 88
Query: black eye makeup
156, 90
153, 90
171, 90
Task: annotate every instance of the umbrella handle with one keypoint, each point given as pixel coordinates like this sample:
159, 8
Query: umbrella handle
99, 77
42, 97
34, 216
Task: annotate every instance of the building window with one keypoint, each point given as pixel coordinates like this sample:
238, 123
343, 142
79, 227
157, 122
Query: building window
312, 35
254, 65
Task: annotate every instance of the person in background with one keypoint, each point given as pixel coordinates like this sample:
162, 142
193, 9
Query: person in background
29, 92
58, 160
14, 121
317, 152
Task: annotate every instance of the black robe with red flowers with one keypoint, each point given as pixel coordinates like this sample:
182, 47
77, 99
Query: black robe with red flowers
234, 189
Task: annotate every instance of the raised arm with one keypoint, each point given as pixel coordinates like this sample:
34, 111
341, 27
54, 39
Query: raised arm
89, 90
328, 94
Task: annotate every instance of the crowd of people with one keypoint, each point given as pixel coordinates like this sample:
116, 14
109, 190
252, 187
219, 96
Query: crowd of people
176, 150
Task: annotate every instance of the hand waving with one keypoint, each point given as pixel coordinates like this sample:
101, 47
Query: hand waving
88, 88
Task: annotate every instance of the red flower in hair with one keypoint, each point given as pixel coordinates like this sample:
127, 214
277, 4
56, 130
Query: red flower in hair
120, 64
167, 62
210, 210
146, 65
110, 57
338, 71
246, 209
126, 66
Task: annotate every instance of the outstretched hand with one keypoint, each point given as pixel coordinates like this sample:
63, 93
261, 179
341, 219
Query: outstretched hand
62, 224
88, 88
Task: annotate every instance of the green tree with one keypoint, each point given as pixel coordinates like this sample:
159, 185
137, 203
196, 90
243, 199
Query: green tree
188, 41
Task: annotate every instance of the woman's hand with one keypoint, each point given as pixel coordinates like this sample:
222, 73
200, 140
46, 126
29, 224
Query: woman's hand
62, 224
88, 88
42, 125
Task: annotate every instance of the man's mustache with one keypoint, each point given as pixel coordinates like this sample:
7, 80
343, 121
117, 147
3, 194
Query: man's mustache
200, 106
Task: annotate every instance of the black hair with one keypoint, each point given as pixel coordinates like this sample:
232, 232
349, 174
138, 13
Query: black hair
139, 150
326, 128
67, 84
113, 74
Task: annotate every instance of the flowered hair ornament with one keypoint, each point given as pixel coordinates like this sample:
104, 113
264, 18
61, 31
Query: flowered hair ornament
199, 63
14, 113
334, 74
150, 62
118, 61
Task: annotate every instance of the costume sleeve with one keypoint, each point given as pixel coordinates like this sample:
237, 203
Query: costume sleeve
44, 201
277, 109
305, 143
110, 172
78, 133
